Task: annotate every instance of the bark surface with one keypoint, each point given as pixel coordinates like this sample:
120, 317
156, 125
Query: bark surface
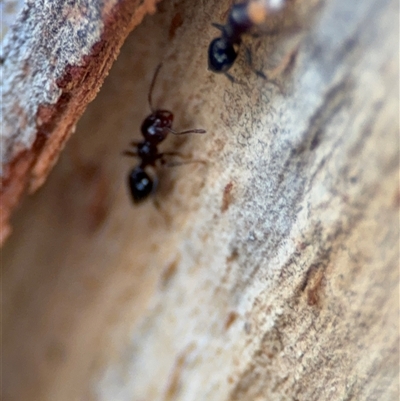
53, 61
270, 272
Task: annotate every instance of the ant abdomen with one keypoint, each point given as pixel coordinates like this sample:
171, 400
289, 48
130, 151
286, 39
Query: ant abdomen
221, 55
140, 184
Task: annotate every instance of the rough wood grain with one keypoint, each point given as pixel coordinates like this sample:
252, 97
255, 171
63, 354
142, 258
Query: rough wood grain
54, 60
271, 273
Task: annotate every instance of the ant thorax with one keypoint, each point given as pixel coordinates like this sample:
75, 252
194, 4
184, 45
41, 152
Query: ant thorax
238, 23
147, 152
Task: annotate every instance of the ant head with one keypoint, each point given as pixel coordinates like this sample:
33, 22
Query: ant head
140, 184
221, 55
157, 125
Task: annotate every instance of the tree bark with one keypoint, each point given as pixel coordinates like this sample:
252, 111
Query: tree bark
269, 272
53, 61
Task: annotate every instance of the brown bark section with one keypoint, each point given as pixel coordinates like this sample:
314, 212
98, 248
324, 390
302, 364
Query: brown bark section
269, 273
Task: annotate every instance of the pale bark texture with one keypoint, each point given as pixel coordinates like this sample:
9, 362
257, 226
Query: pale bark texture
269, 270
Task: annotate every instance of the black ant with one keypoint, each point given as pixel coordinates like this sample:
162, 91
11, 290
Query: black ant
242, 18
155, 128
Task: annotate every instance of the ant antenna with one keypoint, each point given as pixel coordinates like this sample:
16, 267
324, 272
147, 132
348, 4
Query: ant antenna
153, 81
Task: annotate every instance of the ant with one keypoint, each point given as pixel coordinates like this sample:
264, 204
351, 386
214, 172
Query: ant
242, 18
155, 128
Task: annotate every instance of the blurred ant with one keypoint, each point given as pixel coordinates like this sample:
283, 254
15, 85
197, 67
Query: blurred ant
242, 18
155, 128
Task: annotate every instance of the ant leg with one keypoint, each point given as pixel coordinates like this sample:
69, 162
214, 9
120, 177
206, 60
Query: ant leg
230, 77
181, 163
218, 26
172, 154
255, 35
129, 153
233, 79
176, 163
249, 59
135, 143
163, 212
190, 131
161, 157
265, 32
156, 204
